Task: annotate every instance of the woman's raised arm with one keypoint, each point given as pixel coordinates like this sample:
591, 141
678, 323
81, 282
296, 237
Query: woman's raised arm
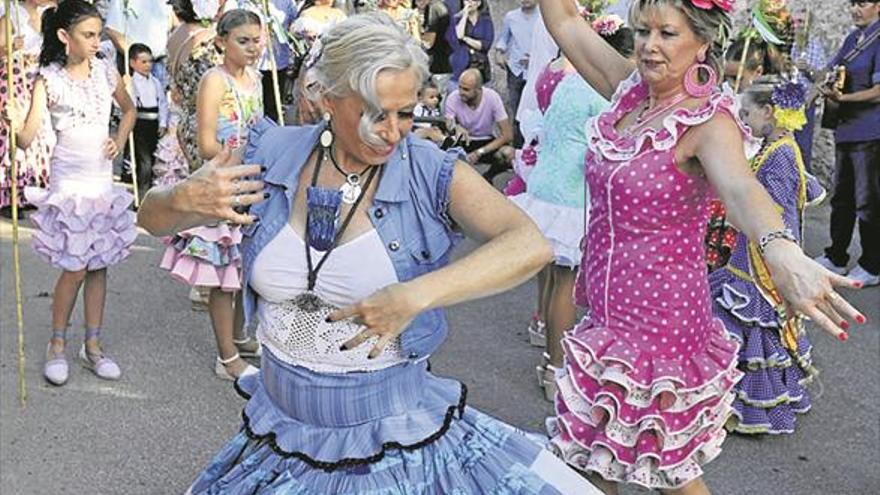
595, 60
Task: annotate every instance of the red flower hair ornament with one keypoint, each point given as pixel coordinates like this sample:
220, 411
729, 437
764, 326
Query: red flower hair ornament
725, 5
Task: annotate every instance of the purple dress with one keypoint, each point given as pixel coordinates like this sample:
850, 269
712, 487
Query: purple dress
775, 357
83, 220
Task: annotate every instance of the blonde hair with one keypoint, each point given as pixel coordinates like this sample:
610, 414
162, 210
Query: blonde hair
711, 26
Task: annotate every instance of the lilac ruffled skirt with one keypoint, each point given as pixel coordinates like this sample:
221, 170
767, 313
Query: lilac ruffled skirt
76, 232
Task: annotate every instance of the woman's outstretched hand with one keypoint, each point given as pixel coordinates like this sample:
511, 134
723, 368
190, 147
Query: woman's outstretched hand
386, 313
809, 289
221, 189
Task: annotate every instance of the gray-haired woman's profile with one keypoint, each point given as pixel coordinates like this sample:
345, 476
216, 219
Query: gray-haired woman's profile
348, 269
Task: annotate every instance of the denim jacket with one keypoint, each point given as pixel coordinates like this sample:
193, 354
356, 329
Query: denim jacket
409, 212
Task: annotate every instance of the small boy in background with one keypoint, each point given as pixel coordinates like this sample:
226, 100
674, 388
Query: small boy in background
152, 113
428, 108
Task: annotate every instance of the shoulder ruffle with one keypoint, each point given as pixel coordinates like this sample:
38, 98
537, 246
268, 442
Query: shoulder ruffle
604, 140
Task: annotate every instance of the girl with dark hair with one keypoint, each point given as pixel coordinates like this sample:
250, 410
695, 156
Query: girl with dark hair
229, 103
84, 223
33, 164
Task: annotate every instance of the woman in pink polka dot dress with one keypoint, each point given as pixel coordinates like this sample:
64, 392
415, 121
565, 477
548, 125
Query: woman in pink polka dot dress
646, 387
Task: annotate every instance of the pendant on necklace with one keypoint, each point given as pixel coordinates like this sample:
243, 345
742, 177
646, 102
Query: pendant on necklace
351, 189
307, 301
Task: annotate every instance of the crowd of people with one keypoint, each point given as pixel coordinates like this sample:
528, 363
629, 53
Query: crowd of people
311, 167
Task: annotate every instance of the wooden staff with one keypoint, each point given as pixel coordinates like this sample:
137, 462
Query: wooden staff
273, 66
16, 259
131, 155
742, 62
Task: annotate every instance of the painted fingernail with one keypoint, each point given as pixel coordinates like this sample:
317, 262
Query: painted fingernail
843, 336
861, 319
263, 168
327, 320
858, 285
343, 348
844, 325
265, 195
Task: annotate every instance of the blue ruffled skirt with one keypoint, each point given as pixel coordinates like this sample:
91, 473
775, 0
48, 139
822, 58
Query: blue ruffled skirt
398, 431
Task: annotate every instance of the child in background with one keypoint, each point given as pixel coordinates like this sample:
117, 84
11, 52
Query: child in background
429, 106
229, 103
774, 352
83, 223
152, 112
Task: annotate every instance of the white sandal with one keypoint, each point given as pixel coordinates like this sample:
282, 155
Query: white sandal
222, 373
538, 333
547, 378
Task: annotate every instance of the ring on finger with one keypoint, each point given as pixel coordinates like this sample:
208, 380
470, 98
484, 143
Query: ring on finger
833, 296
236, 200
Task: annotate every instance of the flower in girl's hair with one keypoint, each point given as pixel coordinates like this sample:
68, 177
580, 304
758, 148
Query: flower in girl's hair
725, 5
788, 100
607, 25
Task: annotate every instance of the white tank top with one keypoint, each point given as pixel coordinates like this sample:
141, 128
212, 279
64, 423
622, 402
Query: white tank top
353, 271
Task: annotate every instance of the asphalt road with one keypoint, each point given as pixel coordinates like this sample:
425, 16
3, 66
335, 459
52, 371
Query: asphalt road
152, 432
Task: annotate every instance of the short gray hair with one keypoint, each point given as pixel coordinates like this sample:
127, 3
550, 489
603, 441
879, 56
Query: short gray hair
354, 53
713, 26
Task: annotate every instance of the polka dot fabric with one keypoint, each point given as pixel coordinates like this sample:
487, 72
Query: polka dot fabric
648, 373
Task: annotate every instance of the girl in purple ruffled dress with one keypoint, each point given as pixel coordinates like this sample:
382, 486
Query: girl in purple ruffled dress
83, 223
774, 354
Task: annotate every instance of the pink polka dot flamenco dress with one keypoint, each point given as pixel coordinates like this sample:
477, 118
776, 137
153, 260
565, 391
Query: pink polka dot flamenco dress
645, 391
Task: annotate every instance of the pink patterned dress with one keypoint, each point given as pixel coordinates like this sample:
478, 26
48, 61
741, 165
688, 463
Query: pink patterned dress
648, 372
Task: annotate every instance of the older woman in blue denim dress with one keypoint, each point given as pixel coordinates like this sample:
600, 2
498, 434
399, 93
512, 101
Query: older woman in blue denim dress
346, 268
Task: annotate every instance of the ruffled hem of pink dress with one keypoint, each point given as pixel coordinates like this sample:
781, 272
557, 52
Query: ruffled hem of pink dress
205, 257
77, 232
636, 417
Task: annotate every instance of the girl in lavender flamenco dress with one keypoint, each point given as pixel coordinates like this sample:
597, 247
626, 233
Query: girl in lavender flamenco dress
83, 223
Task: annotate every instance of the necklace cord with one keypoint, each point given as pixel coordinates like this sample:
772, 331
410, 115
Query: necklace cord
313, 271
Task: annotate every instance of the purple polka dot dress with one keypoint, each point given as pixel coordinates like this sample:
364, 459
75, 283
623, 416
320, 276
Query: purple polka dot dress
648, 372
775, 356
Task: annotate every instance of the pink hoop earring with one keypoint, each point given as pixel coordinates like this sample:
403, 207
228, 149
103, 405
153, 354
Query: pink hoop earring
692, 84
